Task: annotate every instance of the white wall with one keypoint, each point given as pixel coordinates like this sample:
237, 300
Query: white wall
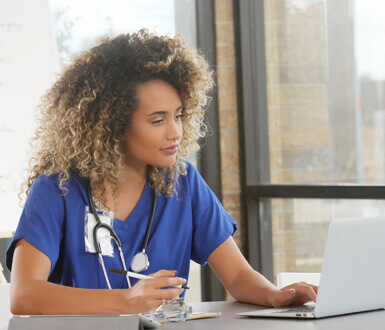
27, 64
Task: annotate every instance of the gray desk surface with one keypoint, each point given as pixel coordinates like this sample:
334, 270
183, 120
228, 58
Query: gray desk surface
229, 320
94, 322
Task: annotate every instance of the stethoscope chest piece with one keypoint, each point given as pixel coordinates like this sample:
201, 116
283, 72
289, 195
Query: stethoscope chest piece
140, 262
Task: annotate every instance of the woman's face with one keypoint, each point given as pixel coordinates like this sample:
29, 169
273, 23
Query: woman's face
156, 128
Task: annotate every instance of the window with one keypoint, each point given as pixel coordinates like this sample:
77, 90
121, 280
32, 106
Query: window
313, 122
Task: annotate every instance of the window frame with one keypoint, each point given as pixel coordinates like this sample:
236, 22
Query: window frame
209, 161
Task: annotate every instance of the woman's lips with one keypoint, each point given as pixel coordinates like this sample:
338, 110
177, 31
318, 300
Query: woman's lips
171, 150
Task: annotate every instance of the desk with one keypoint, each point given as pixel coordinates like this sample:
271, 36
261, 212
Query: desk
229, 320
6, 234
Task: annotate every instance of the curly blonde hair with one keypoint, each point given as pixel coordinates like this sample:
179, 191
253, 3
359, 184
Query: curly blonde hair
85, 115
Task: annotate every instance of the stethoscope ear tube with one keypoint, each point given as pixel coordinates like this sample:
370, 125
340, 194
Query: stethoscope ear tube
140, 261
149, 225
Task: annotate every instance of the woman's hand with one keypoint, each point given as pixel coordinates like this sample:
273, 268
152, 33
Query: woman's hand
31, 293
148, 294
294, 294
247, 285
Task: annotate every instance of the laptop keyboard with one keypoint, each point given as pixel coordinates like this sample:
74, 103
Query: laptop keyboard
296, 310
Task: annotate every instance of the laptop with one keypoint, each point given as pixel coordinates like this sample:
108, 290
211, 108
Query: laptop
352, 272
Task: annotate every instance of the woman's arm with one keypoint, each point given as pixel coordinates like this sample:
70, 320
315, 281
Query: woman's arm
247, 285
31, 293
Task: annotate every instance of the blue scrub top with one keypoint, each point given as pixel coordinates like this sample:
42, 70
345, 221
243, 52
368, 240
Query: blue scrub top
189, 225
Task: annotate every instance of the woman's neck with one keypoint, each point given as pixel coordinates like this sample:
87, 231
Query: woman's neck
130, 189
135, 177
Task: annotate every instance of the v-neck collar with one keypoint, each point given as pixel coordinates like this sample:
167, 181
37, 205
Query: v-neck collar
144, 204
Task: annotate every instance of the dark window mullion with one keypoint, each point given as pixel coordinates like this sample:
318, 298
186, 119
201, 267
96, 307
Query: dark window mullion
252, 105
341, 191
212, 288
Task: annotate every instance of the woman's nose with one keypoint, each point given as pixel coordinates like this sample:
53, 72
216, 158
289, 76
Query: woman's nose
175, 130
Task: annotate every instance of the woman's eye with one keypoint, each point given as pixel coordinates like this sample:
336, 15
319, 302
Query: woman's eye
180, 116
157, 121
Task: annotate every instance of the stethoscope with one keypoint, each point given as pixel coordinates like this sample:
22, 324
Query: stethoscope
140, 262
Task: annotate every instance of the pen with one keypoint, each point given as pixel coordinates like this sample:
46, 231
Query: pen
136, 275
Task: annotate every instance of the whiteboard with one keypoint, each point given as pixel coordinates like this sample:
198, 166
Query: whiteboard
27, 64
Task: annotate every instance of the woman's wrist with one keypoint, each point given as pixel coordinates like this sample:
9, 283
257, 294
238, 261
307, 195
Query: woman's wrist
271, 293
117, 301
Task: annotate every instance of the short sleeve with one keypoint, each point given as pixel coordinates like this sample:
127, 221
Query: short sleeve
212, 225
41, 221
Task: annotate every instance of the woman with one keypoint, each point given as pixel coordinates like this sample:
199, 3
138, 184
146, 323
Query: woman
120, 120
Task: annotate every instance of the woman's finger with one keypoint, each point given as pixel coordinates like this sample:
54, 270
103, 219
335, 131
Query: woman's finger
284, 298
163, 282
305, 290
295, 294
168, 294
164, 273
294, 285
315, 288
309, 291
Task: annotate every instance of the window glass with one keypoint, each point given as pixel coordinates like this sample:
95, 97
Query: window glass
326, 90
300, 228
